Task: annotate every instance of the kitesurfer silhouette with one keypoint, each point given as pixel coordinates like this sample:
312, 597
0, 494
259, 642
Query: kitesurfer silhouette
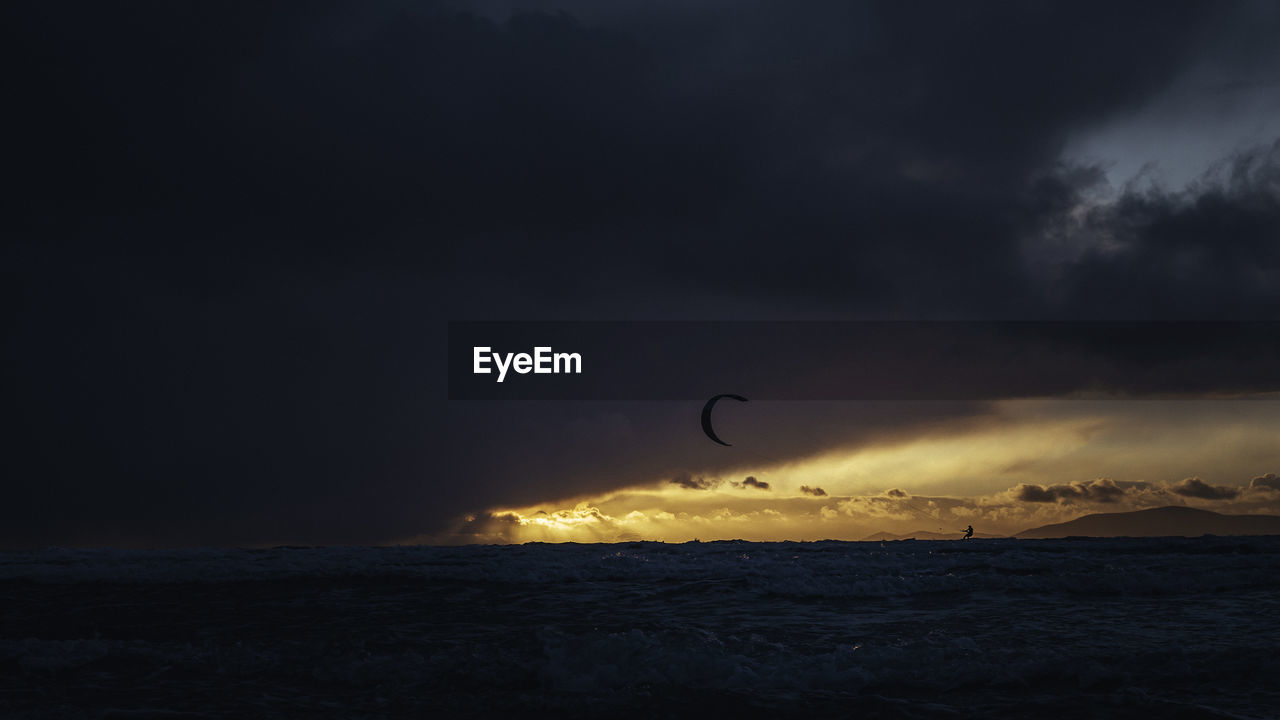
968, 533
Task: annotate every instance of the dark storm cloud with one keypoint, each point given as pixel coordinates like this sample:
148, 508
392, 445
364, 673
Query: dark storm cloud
814, 491
689, 482
1105, 490
1208, 251
484, 527
1197, 488
1270, 481
895, 493
1027, 492
241, 226
751, 482
1102, 490
898, 159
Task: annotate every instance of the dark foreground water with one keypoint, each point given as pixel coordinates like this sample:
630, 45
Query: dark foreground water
1184, 628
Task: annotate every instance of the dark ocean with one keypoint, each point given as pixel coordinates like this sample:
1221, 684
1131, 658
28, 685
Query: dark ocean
1118, 628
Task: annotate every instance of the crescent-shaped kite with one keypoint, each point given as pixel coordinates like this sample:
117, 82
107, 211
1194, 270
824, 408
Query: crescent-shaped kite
706, 416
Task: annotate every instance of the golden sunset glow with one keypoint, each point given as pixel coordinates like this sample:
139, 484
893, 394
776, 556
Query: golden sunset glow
1084, 456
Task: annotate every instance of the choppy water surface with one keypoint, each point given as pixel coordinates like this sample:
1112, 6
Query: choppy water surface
987, 628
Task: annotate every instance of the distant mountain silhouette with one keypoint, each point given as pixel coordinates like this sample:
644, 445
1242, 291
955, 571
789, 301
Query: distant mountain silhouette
925, 535
1159, 522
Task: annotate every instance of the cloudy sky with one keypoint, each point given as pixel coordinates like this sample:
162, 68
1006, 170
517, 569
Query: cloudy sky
239, 231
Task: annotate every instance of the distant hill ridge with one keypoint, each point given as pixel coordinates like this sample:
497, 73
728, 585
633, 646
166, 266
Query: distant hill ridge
1171, 521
